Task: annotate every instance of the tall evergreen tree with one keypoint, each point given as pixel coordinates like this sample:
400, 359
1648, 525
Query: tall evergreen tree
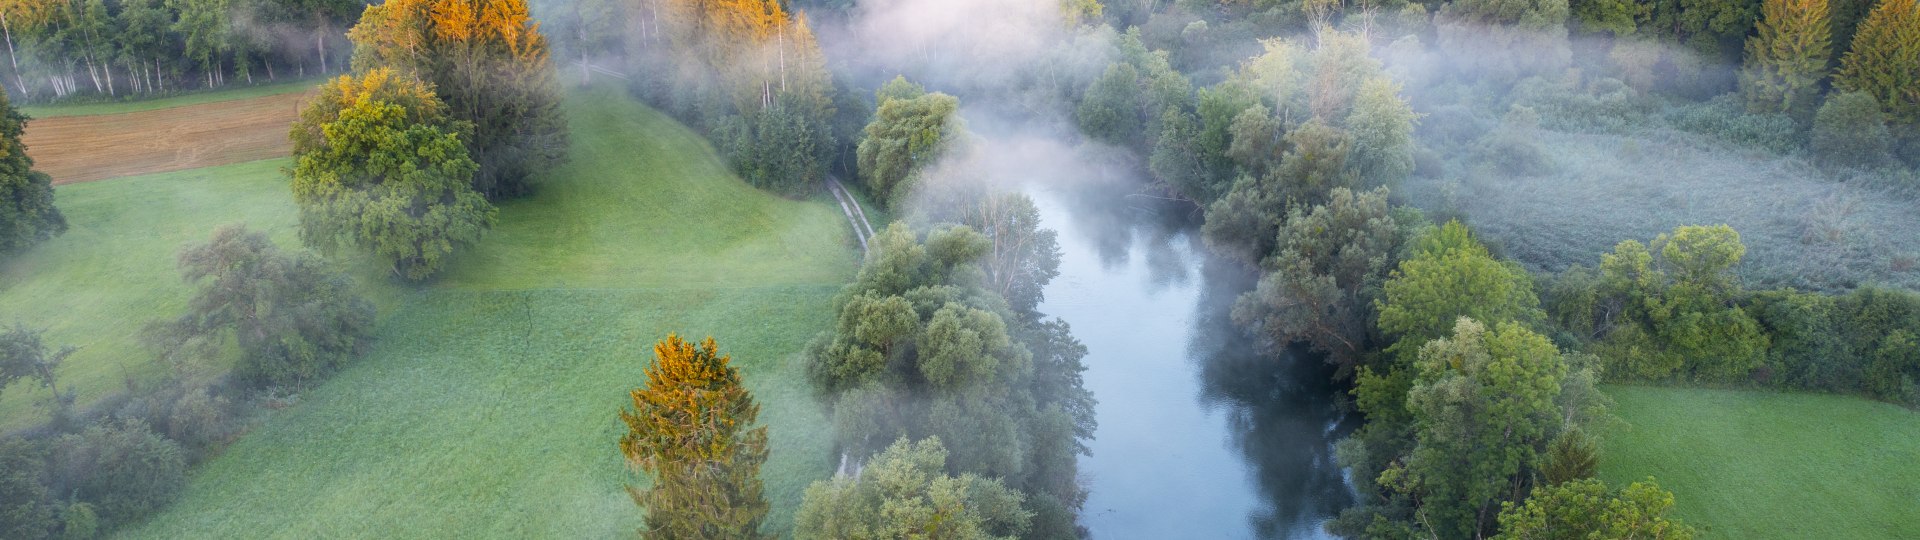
1788, 57
1884, 60
27, 215
692, 428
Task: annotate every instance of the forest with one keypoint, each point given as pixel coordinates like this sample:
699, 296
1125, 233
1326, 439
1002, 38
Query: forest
994, 268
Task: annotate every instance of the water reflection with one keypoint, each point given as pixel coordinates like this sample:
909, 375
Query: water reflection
1201, 436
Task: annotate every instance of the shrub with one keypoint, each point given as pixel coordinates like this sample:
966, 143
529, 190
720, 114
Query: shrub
26, 509
122, 468
1727, 119
1849, 131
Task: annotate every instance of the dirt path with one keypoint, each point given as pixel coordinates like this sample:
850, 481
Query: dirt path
862, 230
97, 147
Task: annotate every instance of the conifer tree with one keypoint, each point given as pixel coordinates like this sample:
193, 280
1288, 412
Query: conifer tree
691, 428
1788, 57
1884, 60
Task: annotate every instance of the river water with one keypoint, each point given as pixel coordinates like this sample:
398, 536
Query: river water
1200, 435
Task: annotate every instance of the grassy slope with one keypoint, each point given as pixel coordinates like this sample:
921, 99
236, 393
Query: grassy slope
488, 406
1772, 465
190, 98
113, 271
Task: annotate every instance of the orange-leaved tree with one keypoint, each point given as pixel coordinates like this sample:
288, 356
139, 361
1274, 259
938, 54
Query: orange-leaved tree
691, 428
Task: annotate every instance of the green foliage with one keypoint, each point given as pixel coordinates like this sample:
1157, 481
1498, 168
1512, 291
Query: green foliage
387, 179
1382, 126
1849, 131
905, 492
1859, 342
80, 522
1572, 457
1884, 60
786, 151
1587, 509
1322, 281
1110, 110
26, 508
1713, 28
691, 428
1481, 36
1788, 57
123, 469
27, 214
295, 319
23, 355
1451, 275
906, 135
1676, 311
1483, 405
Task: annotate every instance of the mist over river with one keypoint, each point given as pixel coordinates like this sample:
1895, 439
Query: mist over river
1201, 435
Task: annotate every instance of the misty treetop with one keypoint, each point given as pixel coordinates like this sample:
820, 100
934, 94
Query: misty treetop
906, 492
488, 61
911, 130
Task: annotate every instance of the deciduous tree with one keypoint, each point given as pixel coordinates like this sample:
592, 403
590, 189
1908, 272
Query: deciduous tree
1588, 509
27, 214
904, 492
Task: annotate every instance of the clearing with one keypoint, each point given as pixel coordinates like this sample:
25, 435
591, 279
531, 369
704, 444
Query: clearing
1756, 464
84, 148
488, 406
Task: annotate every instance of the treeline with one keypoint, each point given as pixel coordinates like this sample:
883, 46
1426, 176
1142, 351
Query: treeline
61, 48
82, 474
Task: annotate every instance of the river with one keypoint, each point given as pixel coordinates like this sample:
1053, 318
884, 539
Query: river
1200, 435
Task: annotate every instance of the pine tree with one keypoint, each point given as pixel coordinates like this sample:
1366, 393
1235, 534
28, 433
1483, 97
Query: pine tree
1884, 60
1788, 57
27, 215
691, 429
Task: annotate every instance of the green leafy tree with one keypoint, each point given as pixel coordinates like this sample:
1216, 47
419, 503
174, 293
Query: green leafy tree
23, 355
204, 24
1679, 310
904, 492
1884, 60
386, 178
691, 428
1110, 111
295, 319
1448, 276
1484, 407
1382, 126
1588, 509
122, 468
26, 508
1320, 285
906, 135
27, 215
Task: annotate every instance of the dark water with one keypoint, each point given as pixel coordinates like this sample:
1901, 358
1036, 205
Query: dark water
1201, 435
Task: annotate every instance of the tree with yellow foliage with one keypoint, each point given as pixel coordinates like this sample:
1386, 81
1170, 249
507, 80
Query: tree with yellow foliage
1885, 59
489, 62
691, 429
1788, 57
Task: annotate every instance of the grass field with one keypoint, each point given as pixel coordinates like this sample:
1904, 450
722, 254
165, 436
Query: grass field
488, 406
1772, 465
191, 98
113, 271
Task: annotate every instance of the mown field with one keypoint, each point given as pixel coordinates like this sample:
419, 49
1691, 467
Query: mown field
488, 406
1745, 464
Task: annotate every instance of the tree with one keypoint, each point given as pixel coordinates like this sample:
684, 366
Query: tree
1572, 457
1451, 275
1850, 131
691, 428
1679, 311
1588, 509
1884, 60
204, 25
26, 509
294, 319
1483, 404
1788, 57
24, 356
906, 135
1321, 283
1382, 126
382, 180
1482, 36
27, 214
904, 493
488, 61
122, 468
1110, 111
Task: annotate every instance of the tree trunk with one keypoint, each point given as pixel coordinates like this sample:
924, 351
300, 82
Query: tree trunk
108, 68
95, 75
17, 79
320, 42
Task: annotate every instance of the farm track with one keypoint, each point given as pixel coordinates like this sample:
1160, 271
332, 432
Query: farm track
97, 147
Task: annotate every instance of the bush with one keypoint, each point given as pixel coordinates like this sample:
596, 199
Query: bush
1727, 119
122, 468
26, 509
1849, 131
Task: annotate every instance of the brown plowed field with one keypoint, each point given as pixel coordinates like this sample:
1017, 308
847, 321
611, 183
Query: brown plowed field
97, 147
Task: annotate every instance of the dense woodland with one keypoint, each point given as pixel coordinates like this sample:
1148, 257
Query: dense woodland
1323, 145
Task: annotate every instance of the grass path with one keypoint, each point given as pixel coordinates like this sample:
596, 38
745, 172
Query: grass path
1746, 464
487, 408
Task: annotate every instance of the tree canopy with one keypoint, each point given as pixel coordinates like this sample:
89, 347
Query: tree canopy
692, 429
27, 214
905, 492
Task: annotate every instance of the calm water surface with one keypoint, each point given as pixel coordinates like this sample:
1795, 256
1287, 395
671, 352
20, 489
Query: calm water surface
1200, 435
